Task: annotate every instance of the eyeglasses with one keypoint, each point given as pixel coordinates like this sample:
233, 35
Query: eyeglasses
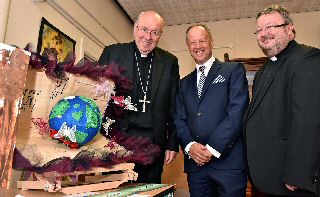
200, 42
155, 33
269, 28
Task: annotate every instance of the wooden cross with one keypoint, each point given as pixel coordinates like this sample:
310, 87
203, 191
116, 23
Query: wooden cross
144, 101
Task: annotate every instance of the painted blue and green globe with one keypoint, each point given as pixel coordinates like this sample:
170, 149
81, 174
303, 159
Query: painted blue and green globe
75, 120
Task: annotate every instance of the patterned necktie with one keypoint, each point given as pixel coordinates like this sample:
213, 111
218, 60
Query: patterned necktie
201, 80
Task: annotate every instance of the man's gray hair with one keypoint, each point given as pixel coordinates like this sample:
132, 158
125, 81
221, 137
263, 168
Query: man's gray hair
142, 13
277, 8
281, 10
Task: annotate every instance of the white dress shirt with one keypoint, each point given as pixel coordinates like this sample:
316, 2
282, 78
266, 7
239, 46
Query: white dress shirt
207, 66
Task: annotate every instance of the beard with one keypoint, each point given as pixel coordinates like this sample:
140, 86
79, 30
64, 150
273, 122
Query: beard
281, 42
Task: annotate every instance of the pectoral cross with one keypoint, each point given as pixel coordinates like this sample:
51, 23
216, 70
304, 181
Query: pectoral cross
144, 101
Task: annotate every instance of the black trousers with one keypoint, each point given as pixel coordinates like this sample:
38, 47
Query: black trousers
257, 193
150, 173
280, 196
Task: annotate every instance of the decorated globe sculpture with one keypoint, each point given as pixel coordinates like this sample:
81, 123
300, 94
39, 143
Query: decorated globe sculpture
75, 121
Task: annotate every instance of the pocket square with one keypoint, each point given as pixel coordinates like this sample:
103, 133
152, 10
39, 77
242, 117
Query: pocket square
219, 79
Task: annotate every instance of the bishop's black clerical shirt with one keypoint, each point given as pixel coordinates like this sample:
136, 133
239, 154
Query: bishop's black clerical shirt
141, 120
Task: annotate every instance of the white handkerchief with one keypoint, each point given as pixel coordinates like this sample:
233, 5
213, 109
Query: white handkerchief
219, 79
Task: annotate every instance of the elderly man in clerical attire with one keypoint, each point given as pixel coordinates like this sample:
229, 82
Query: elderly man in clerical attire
155, 74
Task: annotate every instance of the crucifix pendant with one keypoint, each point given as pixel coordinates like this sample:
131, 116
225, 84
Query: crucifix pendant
144, 101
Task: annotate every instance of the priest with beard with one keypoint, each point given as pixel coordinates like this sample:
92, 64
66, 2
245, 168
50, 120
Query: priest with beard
282, 123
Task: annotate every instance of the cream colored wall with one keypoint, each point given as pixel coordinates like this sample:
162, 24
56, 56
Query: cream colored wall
4, 10
236, 38
230, 36
307, 26
25, 18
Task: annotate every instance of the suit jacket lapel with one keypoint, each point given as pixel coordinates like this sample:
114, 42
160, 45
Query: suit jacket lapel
261, 91
212, 73
157, 69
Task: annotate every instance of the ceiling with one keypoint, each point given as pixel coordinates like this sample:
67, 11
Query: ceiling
176, 12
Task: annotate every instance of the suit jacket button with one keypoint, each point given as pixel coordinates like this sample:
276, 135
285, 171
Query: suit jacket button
199, 114
315, 178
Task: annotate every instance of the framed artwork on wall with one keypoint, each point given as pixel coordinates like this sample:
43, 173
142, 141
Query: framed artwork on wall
52, 37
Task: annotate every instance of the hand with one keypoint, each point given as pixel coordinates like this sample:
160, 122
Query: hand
291, 188
199, 153
169, 156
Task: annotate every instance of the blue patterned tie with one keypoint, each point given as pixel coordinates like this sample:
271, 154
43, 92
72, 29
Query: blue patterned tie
201, 80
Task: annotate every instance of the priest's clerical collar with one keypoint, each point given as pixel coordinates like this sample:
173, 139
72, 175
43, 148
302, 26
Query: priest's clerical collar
285, 51
140, 55
274, 58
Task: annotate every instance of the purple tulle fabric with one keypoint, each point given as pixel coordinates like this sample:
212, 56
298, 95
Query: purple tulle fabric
84, 67
143, 152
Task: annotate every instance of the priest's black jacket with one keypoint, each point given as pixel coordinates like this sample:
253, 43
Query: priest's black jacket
282, 123
165, 79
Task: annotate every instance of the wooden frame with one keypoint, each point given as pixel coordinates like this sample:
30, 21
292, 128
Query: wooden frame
87, 181
252, 65
52, 37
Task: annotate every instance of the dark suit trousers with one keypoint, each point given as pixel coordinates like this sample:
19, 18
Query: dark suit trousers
210, 182
150, 173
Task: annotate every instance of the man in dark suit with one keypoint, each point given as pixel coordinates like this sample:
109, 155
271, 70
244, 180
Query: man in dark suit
210, 107
282, 123
155, 74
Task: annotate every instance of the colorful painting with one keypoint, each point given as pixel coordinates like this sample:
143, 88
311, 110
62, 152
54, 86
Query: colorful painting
51, 37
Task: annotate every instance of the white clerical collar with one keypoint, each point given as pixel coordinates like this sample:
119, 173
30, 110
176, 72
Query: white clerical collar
274, 58
144, 55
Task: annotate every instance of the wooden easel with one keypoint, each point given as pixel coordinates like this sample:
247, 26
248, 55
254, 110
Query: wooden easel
86, 181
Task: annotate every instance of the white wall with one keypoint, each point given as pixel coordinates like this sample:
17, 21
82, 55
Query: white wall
80, 24
237, 34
